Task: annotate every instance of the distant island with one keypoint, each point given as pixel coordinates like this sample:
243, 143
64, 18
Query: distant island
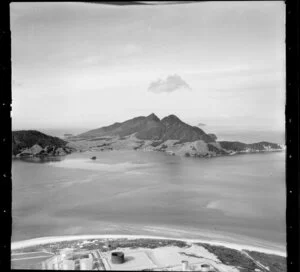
201, 125
146, 133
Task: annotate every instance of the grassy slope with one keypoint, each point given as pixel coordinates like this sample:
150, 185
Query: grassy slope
151, 128
232, 257
274, 262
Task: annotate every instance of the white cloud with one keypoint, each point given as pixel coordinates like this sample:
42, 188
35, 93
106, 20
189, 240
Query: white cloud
170, 84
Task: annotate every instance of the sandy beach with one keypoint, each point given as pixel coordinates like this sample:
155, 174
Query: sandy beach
55, 239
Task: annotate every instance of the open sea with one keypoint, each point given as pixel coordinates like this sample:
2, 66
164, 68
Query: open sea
237, 198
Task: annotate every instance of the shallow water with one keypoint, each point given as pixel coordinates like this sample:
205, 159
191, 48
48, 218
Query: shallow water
238, 197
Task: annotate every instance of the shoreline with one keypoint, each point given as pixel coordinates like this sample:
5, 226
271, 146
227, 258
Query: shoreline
55, 239
47, 158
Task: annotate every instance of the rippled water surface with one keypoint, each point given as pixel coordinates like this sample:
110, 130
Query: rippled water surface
235, 197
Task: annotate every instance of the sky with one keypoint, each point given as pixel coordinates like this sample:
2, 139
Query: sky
85, 65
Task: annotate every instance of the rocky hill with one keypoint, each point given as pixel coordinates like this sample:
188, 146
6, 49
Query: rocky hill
30, 143
169, 135
152, 128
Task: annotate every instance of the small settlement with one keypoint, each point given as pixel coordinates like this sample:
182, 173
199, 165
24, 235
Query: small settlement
137, 255
68, 259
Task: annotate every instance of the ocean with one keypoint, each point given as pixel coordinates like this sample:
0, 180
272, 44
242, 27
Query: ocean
237, 198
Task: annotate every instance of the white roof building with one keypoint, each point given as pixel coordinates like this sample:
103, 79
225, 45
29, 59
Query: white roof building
68, 265
86, 263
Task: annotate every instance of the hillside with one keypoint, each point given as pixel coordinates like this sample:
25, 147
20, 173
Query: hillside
239, 147
169, 135
33, 143
152, 128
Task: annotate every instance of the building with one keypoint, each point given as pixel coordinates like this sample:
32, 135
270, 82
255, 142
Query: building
205, 268
185, 265
65, 252
117, 257
68, 265
86, 263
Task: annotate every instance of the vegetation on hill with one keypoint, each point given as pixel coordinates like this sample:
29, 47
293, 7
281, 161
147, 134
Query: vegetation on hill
149, 133
214, 136
262, 145
169, 135
238, 146
152, 128
22, 139
212, 148
232, 257
274, 262
35, 146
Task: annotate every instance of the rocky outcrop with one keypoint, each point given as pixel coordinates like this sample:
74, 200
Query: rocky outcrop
38, 151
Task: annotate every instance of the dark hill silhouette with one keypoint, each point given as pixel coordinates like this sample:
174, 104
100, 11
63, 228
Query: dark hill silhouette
238, 146
178, 130
152, 128
27, 138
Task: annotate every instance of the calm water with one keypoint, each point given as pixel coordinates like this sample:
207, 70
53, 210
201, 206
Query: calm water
131, 192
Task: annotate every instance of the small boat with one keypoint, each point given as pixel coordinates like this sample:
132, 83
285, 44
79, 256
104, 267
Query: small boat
93, 158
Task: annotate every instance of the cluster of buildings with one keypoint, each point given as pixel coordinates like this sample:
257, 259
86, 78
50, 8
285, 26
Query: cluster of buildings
106, 258
67, 260
197, 267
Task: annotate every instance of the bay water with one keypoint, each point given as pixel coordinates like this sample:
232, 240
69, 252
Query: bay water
238, 198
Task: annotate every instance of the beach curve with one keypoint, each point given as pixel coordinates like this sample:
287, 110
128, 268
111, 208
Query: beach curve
54, 239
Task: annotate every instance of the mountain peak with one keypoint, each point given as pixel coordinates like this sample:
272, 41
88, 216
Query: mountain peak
152, 128
153, 117
172, 118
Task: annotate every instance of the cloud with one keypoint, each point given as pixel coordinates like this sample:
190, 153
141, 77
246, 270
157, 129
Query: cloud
170, 84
